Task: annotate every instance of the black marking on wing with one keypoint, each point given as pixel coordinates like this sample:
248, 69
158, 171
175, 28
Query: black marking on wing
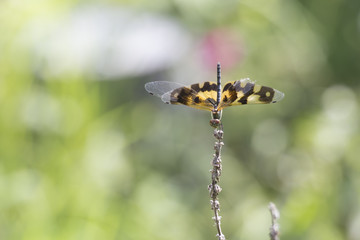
247, 90
182, 96
197, 100
265, 91
229, 89
206, 87
195, 87
209, 87
212, 101
227, 86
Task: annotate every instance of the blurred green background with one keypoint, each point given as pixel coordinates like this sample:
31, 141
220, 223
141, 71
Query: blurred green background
86, 153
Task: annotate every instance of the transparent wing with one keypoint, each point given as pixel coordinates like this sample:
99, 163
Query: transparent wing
159, 88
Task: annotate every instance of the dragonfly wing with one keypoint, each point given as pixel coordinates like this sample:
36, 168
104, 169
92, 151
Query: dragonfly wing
198, 95
246, 91
159, 88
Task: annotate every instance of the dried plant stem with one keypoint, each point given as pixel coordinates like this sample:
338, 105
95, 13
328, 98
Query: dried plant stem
275, 215
214, 188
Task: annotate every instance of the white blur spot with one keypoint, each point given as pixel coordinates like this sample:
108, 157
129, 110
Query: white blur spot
339, 103
23, 186
108, 41
104, 159
269, 138
354, 227
250, 227
41, 112
337, 123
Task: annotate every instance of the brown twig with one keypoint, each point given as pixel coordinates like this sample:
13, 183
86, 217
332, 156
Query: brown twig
214, 187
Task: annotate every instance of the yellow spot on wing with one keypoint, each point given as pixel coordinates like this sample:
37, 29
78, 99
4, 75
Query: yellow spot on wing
257, 88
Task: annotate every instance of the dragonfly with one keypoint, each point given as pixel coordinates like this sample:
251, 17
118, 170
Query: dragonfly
209, 96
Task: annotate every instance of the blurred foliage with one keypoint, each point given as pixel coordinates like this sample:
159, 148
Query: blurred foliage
85, 153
